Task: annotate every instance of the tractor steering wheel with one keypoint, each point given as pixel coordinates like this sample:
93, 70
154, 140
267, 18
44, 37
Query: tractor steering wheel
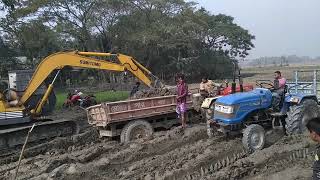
267, 84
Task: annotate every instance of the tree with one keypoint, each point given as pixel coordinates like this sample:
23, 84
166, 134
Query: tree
7, 4
22, 36
7, 59
167, 36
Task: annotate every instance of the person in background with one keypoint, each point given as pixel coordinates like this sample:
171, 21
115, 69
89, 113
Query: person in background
206, 87
313, 126
182, 93
135, 89
12, 97
75, 96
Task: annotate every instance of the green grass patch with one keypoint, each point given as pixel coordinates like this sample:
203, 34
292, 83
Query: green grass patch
104, 96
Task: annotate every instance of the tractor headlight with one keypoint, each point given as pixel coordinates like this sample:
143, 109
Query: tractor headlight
294, 99
224, 109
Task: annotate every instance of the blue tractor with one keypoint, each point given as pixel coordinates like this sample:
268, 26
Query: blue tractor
251, 113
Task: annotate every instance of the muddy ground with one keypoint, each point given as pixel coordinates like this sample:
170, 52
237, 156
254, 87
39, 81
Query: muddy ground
172, 154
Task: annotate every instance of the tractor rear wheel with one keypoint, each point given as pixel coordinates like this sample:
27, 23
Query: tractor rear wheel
253, 137
299, 114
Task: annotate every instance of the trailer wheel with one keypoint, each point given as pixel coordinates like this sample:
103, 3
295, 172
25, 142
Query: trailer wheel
139, 129
253, 137
298, 116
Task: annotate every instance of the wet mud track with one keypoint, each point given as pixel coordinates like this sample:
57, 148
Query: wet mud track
173, 154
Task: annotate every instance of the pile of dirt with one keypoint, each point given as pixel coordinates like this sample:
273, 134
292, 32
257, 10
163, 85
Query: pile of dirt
75, 113
155, 92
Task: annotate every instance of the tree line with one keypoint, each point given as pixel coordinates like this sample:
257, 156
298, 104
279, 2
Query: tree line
281, 61
166, 36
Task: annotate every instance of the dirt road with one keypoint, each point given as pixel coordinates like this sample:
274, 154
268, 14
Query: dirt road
173, 154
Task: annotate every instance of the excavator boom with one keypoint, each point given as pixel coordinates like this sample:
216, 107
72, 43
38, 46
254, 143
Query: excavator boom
84, 60
16, 120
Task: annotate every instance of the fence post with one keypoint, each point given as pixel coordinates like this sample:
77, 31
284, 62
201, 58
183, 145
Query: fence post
315, 82
296, 77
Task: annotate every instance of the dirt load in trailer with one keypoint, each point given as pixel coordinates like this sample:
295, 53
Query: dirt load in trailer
134, 119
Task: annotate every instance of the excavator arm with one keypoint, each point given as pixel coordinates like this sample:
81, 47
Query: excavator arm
83, 60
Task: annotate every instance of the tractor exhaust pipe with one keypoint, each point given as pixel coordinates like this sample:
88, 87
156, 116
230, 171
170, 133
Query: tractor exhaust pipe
233, 85
240, 81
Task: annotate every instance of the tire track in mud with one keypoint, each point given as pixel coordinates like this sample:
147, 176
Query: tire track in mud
239, 164
140, 153
87, 133
290, 151
181, 152
221, 163
279, 162
159, 146
113, 157
58, 145
45, 164
173, 154
183, 159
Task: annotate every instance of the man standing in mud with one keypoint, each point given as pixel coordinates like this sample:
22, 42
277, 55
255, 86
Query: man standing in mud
314, 128
182, 93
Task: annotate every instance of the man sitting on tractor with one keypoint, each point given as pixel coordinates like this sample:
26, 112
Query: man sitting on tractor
206, 87
279, 86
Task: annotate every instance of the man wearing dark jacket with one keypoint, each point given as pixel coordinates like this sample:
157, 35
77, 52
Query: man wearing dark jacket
314, 128
135, 89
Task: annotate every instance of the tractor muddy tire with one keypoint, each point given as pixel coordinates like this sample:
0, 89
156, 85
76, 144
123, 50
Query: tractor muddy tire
253, 138
299, 114
209, 114
206, 114
134, 130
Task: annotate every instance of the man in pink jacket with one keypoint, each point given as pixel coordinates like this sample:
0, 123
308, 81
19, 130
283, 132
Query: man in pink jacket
279, 81
279, 85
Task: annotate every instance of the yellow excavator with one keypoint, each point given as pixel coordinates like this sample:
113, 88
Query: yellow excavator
17, 114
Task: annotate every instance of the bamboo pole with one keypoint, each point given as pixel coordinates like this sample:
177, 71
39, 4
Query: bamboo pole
21, 154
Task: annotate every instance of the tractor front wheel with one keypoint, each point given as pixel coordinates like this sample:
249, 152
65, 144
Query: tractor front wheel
253, 137
299, 114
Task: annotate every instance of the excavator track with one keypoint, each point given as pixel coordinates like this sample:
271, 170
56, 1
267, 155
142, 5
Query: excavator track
14, 137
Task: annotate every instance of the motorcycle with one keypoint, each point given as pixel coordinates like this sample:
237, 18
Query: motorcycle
80, 100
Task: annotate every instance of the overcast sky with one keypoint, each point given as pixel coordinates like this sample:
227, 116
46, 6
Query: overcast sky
281, 27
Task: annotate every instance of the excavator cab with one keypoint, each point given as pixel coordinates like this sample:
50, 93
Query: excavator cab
8, 95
